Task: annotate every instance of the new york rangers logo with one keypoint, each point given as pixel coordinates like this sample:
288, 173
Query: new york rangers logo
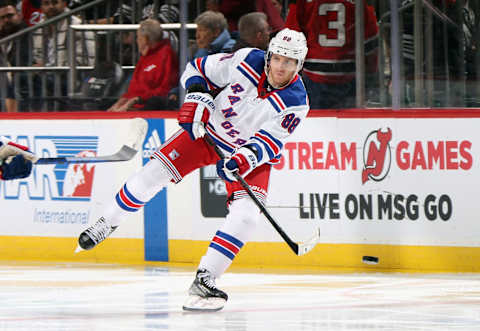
376, 155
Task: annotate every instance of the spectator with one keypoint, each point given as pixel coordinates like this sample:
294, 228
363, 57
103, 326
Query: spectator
254, 31
156, 72
50, 49
329, 70
212, 35
124, 14
273, 10
56, 54
14, 54
92, 14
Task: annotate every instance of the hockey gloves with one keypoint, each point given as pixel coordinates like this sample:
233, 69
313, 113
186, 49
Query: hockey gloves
242, 162
195, 112
15, 167
15, 160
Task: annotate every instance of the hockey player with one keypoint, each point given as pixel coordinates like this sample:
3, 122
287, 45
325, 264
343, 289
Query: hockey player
14, 160
262, 100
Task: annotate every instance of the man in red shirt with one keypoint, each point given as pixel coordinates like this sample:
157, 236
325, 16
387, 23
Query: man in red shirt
329, 69
156, 72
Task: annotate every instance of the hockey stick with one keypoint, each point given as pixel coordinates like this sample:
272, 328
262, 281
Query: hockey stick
299, 249
124, 154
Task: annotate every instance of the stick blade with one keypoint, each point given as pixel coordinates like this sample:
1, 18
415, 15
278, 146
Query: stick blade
126, 153
304, 248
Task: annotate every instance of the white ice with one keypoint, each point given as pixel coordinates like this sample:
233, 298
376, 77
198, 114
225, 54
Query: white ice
109, 297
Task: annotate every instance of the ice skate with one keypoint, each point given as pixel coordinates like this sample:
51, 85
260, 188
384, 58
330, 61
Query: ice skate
95, 234
204, 295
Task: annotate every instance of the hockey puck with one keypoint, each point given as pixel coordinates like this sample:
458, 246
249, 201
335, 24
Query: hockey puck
370, 259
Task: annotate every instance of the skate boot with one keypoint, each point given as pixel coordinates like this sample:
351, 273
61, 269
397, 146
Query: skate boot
95, 234
204, 295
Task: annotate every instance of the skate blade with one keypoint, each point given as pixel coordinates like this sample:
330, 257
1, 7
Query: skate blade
78, 249
197, 303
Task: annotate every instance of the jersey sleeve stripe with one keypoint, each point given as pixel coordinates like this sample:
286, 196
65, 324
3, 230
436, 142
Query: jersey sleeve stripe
196, 80
267, 147
250, 70
271, 143
279, 101
200, 65
246, 74
274, 104
277, 142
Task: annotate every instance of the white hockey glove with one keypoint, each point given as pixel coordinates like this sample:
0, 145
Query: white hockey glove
243, 161
195, 112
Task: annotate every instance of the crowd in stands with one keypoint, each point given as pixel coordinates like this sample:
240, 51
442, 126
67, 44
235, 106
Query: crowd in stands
140, 71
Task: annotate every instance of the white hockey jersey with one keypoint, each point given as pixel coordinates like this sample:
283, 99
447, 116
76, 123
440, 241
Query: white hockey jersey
245, 111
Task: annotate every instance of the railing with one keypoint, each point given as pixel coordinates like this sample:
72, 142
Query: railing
119, 27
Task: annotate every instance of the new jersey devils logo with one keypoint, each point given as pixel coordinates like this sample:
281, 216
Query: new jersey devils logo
376, 155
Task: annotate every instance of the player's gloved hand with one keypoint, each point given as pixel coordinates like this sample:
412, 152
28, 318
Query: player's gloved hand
242, 162
9, 148
15, 160
15, 167
195, 112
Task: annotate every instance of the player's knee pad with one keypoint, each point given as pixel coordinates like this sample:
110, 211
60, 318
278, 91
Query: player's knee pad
148, 181
245, 211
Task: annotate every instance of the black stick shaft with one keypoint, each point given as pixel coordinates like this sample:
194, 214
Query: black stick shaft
290, 243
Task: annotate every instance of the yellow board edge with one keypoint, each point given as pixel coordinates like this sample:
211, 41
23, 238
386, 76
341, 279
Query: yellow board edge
396, 258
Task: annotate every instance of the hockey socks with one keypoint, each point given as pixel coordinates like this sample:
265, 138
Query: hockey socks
224, 247
140, 188
133, 195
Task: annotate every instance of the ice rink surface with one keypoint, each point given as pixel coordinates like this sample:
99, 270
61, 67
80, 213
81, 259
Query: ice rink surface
110, 297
